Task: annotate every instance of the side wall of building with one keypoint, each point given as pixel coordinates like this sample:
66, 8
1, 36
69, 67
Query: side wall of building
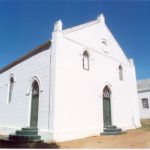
79, 92
144, 112
16, 114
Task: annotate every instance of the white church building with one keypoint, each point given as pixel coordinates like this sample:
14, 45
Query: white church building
72, 86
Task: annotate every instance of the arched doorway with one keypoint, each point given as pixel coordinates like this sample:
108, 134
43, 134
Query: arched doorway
34, 104
106, 106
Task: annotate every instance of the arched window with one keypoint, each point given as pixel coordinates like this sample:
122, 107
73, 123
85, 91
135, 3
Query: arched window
86, 60
120, 73
106, 92
35, 88
11, 85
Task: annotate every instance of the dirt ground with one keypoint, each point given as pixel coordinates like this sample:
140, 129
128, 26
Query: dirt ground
136, 138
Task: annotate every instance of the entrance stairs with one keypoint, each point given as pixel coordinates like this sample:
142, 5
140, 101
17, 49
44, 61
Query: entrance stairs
112, 130
24, 135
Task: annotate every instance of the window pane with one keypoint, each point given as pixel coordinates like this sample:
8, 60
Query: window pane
145, 103
120, 73
86, 60
11, 89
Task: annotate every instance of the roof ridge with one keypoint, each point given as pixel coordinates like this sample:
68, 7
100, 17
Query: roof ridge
144, 79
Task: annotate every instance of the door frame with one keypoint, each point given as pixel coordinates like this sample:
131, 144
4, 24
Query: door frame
110, 103
29, 94
32, 107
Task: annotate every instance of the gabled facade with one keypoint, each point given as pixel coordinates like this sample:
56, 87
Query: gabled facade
81, 80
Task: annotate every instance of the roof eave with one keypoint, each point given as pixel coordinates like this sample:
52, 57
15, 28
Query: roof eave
35, 51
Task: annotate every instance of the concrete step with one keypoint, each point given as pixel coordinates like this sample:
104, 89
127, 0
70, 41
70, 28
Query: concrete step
29, 129
112, 133
111, 126
112, 130
24, 137
26, 132
12, 141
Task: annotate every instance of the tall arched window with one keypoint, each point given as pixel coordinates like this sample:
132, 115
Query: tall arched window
11, 85
120, 72
86, 60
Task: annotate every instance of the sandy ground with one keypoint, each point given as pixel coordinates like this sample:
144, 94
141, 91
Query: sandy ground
136, 138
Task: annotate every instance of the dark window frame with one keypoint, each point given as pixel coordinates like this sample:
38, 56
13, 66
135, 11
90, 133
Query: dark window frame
120, 73
85, 60
11, 87
145, 103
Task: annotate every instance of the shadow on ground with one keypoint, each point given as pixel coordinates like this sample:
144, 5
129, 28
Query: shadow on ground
29, 145
145, 123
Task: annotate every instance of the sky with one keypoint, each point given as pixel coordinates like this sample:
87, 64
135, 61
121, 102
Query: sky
25, 24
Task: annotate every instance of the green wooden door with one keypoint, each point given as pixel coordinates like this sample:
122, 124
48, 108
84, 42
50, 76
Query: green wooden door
106, 112
34, 105
106, 107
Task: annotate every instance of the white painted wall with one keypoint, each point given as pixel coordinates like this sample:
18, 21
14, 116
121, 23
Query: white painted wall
78, 92
17, 113
75, 94
144, 112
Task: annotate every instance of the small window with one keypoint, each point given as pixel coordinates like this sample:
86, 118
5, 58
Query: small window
104, 42
104, 45
11, 85
85, 60
145, 103
120, 73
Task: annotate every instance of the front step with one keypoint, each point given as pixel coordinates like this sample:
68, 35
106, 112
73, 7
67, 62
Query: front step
18, 138
112, 130
24, 135
29, 129
111, 127
112, 133
27, 132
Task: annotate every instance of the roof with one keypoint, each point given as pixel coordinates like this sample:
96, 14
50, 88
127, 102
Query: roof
143, 85
35, 51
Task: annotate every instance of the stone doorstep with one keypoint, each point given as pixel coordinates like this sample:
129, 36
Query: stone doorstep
112, 130
26, 132
24, 137
11, 141
112, 133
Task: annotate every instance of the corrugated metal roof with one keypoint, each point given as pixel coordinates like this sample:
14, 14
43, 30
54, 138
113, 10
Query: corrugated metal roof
42, 47
143, 85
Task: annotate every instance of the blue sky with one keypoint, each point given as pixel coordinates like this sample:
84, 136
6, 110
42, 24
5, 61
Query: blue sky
26, 24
